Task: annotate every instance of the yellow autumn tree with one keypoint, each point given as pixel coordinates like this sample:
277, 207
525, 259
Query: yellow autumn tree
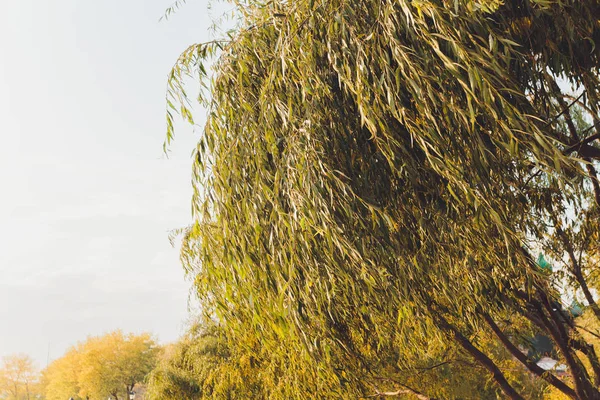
61, 378
18, 377
101, 367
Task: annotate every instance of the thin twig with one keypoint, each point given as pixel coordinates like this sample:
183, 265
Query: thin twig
566, 109
588, 331
405, 389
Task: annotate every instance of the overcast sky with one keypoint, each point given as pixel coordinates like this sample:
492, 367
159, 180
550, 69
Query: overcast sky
86, 196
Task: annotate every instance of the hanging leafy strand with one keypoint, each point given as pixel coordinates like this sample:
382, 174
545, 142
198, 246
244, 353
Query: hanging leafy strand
374, 177
177, 4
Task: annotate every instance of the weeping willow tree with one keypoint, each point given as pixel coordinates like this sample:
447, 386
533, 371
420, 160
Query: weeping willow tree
375, 180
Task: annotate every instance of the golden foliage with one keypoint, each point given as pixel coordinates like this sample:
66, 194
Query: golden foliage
102, 366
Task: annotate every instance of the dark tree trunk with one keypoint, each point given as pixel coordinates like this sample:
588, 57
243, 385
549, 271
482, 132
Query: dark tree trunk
481, 358
532, 366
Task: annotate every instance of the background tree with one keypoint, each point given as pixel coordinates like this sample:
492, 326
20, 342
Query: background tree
61, 378
103, 366
18, 378
374, 179
201, 366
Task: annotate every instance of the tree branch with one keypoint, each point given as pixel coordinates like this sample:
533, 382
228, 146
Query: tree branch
405, 389
584, 143
577, 272
480, 357
532, 366
580, 103
583, 384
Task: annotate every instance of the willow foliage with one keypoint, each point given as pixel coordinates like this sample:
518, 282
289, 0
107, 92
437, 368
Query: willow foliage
374, 177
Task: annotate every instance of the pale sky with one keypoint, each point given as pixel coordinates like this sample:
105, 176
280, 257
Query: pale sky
86, 196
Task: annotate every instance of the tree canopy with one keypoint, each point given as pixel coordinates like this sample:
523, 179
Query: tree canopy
202, 365
101, 367
375, 180
18, 378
